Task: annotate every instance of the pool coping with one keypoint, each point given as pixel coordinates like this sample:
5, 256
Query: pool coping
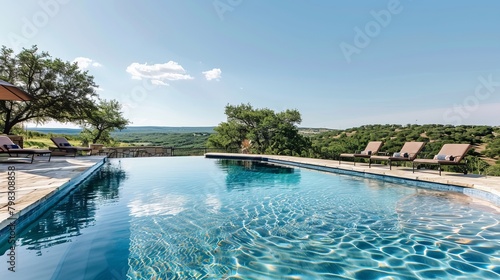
31, 212
329, 166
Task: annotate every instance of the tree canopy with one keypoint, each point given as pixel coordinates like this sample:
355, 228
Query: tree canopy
260, 131
98, 123
60, 89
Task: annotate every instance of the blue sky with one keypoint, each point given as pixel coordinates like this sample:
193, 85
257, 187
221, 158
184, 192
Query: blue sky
340, 63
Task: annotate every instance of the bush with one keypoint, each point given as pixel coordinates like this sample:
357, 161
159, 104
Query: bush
493, 170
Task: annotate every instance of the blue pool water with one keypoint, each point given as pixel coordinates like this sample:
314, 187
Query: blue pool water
197, 218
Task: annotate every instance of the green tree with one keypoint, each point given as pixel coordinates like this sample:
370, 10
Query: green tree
266, 131
493, 170
60, 89
493, 148
475, 164
98, 123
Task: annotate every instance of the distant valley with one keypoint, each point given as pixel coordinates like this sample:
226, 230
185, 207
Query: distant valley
159, 129
134, 129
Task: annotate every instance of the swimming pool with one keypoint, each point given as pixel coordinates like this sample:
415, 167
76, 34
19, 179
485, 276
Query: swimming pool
197, 218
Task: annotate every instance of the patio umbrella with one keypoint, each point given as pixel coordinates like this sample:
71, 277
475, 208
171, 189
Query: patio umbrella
11, 92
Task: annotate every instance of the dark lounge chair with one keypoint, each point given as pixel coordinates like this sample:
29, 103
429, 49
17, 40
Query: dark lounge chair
408, 152
371, 149
64, 146
13, 150
450, 154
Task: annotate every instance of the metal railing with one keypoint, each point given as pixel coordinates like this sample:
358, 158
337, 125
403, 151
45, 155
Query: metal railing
155, 151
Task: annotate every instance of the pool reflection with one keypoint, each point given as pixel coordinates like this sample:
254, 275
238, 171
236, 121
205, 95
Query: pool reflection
74, 213
262, 174
77, 211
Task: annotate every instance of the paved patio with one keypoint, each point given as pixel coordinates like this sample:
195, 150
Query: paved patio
35, 182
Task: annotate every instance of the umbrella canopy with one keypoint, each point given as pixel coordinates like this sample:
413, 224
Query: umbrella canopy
11, 92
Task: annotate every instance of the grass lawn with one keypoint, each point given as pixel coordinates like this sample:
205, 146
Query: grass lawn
43, 143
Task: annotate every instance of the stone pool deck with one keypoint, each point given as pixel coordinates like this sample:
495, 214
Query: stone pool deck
37, 182
41, 180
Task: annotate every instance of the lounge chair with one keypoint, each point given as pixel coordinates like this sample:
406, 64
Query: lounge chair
64, 146
371, 149
408, 152
450, 154
13, 150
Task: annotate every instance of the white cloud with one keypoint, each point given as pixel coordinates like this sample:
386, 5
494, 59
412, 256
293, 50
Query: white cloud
158, 74
158, 83
213, 74
84, 62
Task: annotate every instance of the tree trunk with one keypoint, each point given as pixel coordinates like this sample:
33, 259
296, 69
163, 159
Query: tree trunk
7, 128
99, 133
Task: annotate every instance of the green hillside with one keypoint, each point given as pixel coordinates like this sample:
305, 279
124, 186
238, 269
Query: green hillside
485, 140
177, 140
166, 129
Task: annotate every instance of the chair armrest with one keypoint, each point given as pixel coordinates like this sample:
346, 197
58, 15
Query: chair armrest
459, 157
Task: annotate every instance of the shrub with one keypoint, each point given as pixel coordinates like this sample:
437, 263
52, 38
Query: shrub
493, 170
